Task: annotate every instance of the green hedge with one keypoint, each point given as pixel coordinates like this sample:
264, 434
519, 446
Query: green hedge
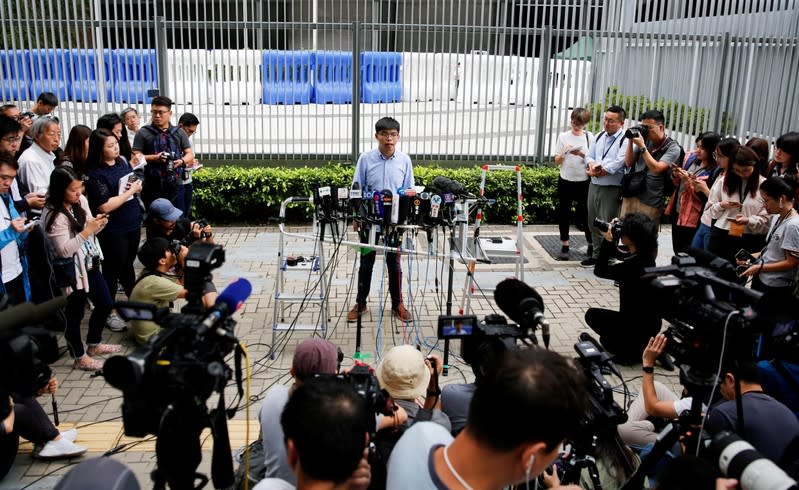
253, 194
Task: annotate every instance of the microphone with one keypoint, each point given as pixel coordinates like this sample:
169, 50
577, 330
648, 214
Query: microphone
378, 205
723, 267
355, 198
523, 305
387, 206
27, 314
435, 205
228, 302
410, 192
448, 186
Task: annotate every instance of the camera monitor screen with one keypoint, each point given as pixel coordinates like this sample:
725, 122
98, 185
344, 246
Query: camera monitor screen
456, 326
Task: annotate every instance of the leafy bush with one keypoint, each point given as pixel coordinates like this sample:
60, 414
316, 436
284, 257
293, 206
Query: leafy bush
679, 117
254, 194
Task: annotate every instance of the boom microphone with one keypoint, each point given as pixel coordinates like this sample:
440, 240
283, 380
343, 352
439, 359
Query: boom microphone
523, 305
725, 269
27, 314
231, 299
448, 186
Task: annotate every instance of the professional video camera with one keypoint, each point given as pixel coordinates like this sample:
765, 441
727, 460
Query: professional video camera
363, 380
25, 350
167, 383
709, 314
737, 459
635, 131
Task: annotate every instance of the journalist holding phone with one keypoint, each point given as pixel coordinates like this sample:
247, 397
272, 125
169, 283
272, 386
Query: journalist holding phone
71, 228
772, 270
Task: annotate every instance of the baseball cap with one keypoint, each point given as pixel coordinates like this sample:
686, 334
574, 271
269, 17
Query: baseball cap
152, 251
314, 356
403, 373
164, 210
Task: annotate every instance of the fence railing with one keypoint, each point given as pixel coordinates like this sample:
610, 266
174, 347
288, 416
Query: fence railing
307, 82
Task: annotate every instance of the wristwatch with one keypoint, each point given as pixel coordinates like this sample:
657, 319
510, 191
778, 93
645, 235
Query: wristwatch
649, 369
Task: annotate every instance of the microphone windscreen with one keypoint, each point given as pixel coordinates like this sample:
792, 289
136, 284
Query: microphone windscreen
235, 294
514, 298
27, 314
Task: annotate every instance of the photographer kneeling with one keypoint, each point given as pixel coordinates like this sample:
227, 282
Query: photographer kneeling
157, 286
625, 332
166, 221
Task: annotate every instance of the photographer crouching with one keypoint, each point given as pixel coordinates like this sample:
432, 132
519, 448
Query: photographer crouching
166, 221
626, 332
161, 282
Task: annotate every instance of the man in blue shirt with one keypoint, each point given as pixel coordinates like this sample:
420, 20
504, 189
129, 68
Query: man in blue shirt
605, 161
383, 168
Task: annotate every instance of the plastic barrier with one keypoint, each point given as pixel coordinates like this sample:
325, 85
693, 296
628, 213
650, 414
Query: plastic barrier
523, 82
572, 77
187, 72
380, 77
333, 77
133, 73
15, 75
49, 72
236, 76
419, 77
84, 73
287, 77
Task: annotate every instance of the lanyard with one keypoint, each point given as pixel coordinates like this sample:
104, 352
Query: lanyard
777, 225
609, 140
743, 193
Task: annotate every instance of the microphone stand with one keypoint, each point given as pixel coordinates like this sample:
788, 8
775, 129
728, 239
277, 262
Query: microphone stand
450, 278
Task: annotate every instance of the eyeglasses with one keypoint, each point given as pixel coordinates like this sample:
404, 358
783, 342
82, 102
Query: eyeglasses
610, 120
7, 177
389, 134
159, 113
13, 139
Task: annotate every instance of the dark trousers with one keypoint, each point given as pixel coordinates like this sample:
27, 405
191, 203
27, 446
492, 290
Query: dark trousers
576, 193
76, 305
365, 275
183, 201
681, 236
15, 289
623, 336
31, 422
726, 246
119, 251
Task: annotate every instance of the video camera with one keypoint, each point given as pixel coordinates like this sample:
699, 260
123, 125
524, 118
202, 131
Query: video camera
708, 312
635, 131
166, 384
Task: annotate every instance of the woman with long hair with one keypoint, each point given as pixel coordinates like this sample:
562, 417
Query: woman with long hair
741, 221
761, 148
712, 190
571, 148
786, 156
111, 188
686, 205
113, 123
76, 149
71, 229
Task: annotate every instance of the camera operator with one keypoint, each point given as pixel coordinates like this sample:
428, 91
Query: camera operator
625, 332
159, 283
768, 424
653, 153
23, 416
312, 357
326, 427
772, 270
519, 418
412, 381
166, 221
483, 355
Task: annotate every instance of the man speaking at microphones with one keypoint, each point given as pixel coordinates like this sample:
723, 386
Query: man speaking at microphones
383, 168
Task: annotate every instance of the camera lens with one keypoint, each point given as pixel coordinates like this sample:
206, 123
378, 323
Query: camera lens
600, 225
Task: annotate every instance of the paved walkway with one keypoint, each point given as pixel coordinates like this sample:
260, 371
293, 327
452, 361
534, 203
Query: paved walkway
93, 405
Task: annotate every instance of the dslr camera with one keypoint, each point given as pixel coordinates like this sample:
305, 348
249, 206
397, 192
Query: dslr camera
604, 226
636, 131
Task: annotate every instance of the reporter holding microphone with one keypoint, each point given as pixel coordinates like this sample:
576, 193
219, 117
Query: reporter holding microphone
71, 228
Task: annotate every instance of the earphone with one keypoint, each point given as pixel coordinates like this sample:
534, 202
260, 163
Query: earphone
530, 469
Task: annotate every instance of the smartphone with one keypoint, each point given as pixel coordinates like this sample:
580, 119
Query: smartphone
132, 178
744, 255
731, 218
735, 203
576, 149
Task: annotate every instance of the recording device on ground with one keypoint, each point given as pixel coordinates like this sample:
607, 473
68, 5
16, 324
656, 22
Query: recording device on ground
166, 383
613, 226
636, 131
737, 459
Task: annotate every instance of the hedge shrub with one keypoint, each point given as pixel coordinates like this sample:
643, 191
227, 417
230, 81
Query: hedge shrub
253, 194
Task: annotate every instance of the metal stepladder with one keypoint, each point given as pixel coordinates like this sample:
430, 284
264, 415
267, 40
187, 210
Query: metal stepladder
316, 287
475, 243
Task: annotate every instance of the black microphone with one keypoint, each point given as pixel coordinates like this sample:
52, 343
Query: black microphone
355, 198
448, 186
388, 201
523, 305
725, 269
27, 314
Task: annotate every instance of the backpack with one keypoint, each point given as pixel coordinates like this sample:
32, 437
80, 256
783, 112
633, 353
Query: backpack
159, 181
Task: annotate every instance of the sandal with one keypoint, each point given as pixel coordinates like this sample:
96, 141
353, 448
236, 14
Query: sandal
86, 363
102, 349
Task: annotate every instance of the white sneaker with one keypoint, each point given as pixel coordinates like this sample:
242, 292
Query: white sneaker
62, 448
70, 435
115, 324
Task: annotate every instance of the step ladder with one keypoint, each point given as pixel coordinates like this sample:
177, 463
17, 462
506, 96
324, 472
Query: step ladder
313, 301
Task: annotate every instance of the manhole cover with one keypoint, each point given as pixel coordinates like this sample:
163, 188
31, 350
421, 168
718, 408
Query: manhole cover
551, 243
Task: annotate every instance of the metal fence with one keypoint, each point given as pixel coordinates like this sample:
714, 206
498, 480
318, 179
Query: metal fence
472, 80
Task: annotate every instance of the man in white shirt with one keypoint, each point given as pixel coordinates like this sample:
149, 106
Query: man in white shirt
36, 163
